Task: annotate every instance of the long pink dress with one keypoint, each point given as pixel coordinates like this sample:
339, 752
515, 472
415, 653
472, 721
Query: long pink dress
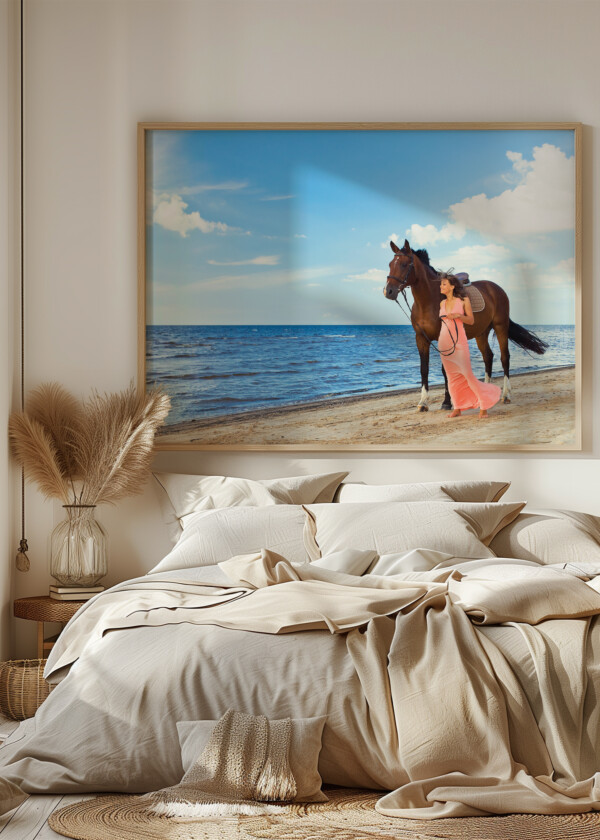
465, 389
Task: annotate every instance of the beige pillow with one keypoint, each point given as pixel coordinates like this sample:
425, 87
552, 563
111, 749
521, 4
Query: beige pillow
550, 536
305, 747
458, 491
212, 536
461, 530
180, 495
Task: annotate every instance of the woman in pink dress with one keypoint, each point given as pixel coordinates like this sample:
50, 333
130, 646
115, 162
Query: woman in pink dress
466, 391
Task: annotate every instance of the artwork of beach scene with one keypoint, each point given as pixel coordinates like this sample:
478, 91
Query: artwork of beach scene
266, 256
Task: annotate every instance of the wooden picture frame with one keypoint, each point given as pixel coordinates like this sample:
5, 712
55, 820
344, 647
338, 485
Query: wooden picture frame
264, 249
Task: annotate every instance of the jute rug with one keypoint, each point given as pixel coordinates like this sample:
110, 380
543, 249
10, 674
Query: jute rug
349, 815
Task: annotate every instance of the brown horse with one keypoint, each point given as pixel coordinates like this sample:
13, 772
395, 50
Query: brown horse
411, 269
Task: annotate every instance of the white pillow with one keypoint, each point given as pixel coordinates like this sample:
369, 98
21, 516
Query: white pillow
458, 491
212, 536
350, 561
179, 495
461, 530
305, 747
355, 561
406, 562
551, 536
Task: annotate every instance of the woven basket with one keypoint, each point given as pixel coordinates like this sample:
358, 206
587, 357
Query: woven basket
23, 688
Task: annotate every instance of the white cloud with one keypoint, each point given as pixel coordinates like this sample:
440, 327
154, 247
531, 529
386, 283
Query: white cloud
494, 262
273, 260
520, 165
481, 262
543, 200
170, 214
277, 197
420, 235
524, 278
288, 277
304, 274
394, 237
158, 198
374, 275
559, 276
284, 238
567, 266
224, 185
482, 253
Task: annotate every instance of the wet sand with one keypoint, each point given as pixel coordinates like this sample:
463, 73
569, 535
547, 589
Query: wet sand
542, 413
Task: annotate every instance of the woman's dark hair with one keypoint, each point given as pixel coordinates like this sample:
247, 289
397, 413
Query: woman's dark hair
455, 283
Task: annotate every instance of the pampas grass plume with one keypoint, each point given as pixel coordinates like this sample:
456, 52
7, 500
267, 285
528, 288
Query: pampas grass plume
103, 446
35, 449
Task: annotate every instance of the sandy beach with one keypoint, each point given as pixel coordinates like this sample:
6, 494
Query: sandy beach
542, 414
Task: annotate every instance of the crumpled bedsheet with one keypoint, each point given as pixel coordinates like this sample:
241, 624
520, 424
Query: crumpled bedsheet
469, 688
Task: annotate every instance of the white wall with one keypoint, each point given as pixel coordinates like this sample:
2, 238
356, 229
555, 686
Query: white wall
96, 68
9, 257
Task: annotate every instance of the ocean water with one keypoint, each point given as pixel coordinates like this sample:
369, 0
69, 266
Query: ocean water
223, 370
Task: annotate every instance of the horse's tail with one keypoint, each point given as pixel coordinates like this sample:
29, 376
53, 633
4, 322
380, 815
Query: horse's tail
525, 338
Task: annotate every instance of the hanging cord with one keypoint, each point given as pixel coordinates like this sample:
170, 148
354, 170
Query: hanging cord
425, 336
22, 559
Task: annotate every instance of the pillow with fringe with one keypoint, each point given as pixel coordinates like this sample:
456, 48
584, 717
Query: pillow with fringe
303, 755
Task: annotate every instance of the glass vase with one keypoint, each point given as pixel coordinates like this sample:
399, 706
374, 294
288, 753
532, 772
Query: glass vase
78, 548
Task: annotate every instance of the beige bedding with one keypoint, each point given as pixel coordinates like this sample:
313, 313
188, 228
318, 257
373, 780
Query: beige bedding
471, 687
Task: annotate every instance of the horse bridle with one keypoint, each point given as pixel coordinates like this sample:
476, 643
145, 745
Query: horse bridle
402, 286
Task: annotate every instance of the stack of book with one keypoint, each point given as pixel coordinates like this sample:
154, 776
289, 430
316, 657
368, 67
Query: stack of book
74, 593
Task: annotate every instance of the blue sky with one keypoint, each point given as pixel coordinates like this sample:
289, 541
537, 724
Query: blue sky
293, 227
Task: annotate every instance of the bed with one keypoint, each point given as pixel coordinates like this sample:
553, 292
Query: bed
446, 639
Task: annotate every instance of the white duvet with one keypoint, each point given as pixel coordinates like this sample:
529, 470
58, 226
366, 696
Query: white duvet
461, 687
111, 725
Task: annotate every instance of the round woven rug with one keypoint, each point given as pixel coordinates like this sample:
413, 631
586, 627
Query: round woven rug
349, 815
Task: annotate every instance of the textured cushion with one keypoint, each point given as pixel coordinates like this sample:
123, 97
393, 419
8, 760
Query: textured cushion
305, 746
213, 536
458, 491
550, 536
458, 529
180, 495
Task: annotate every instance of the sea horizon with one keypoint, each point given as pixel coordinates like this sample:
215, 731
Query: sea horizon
219, 371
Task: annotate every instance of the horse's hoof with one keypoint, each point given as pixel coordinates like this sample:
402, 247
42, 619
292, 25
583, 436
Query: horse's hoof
422, 408
446, 407
505, 399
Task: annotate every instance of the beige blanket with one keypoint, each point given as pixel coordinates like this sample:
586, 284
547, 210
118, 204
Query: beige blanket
481, 685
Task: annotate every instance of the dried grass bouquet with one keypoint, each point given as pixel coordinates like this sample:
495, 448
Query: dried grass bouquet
87, 452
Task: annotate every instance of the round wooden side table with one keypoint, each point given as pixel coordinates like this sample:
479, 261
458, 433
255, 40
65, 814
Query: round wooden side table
42, 608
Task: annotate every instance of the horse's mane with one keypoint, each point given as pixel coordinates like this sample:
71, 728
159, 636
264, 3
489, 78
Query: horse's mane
424, 257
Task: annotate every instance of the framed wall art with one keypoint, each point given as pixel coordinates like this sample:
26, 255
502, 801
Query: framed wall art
291, 295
